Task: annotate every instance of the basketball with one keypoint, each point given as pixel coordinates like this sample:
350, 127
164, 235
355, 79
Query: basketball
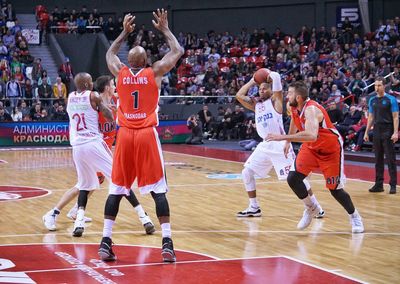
261, 75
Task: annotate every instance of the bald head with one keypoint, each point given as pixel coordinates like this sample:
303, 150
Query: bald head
137, 57
83, 82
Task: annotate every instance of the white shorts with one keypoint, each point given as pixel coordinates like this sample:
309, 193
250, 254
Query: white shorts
90, 158
158, 187
268, 155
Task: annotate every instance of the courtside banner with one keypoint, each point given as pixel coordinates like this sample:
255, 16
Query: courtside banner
173, 131
57, 133
34, 133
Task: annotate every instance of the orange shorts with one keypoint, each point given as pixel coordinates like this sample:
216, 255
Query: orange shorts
138, 155
330, 163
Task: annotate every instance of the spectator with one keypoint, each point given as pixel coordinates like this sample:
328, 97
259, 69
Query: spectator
66, 73
356, 87
44, 78
252, 138
13, 92
16, 114
335, 95
194, 124
205, 117
25, 110
4, 116
44, 116
9, 40
238, 122
45, 93
60, 90
27, 92
37, 69
350, 118
60, 114
334, 113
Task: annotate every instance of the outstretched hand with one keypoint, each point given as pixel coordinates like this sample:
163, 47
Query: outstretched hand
161, 20
129, 26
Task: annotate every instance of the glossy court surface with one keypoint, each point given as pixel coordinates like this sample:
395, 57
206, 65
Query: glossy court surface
212, 245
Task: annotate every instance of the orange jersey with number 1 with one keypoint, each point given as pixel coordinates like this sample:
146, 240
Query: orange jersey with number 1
138, 94
109, 129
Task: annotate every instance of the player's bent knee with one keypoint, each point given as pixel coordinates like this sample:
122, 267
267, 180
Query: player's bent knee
162, 206
296, 183
112, 205
248, 179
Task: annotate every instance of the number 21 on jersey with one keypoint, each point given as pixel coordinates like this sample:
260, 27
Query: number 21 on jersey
80, 122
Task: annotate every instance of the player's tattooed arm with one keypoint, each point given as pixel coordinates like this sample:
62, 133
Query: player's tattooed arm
242, 97
113, 62
102, 107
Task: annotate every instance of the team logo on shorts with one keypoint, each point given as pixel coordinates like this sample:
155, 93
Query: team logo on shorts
10, 192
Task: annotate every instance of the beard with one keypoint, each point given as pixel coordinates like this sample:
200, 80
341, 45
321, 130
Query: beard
294, 103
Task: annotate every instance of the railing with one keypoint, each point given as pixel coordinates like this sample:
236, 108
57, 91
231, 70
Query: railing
351, 96
370, 85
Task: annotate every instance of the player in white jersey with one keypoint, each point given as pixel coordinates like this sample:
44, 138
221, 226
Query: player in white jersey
268, 108
106, 87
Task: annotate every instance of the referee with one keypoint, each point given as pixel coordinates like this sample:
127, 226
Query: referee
383, 114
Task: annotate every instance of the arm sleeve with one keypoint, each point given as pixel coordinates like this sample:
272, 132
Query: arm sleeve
276, 81
395, 106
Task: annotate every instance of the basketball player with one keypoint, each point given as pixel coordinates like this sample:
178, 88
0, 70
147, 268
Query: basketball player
322, 149
268, 118
106, 87
138, 150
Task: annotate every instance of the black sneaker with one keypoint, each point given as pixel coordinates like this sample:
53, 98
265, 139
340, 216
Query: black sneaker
376, 188
149, 228
392, 190
167, 251
105, 250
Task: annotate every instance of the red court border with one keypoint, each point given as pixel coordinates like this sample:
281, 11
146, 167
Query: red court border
48, 192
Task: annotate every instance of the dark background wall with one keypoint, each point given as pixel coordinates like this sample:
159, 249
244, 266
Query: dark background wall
86, 52
232, 15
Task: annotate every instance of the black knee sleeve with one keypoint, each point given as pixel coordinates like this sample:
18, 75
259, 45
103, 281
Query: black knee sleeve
132, 199
83, 198
344, 199
112, 205
295, 181
162, 207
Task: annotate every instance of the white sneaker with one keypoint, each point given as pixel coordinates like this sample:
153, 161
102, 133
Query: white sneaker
356, 223
79, 227
72, 215
49, 220
308, 214
250, 212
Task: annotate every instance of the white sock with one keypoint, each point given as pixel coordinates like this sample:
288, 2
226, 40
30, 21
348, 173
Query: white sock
140, 211
254, 202
315, 201
308, 202
80, 215
355, 214
108, 225
166, 230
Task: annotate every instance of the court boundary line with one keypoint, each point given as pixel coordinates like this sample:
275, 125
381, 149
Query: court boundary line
213, 259
293, 232
25, 186
222, 160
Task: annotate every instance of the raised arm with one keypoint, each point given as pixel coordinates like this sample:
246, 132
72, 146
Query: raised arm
277, 94
242, 97
113, 62
170, 59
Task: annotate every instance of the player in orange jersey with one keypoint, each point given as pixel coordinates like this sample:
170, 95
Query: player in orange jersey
106, 87
138, 152
322, 149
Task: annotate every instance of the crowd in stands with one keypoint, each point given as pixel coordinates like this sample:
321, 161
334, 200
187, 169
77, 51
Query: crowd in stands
339, 66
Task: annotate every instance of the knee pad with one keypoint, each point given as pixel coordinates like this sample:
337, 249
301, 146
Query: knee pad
112, 205
162, 206
132, 198
296, 183
248, 179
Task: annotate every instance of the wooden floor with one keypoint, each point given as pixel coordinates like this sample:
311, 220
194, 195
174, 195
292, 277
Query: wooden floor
203, 216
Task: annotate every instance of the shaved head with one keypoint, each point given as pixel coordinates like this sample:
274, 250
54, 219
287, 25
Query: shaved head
83, 82
137, 57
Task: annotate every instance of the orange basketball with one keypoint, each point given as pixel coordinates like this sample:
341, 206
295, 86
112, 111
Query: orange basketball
261, 75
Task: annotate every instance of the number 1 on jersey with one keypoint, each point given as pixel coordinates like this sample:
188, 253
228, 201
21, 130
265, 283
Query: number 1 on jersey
135, 95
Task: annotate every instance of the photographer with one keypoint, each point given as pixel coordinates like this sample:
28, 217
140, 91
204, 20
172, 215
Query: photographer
194, 124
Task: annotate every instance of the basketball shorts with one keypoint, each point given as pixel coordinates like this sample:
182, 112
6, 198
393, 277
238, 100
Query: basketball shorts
329, 162
138, 155
268, 155
90, 158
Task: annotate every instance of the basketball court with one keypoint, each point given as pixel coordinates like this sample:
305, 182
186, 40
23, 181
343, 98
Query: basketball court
212, 245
